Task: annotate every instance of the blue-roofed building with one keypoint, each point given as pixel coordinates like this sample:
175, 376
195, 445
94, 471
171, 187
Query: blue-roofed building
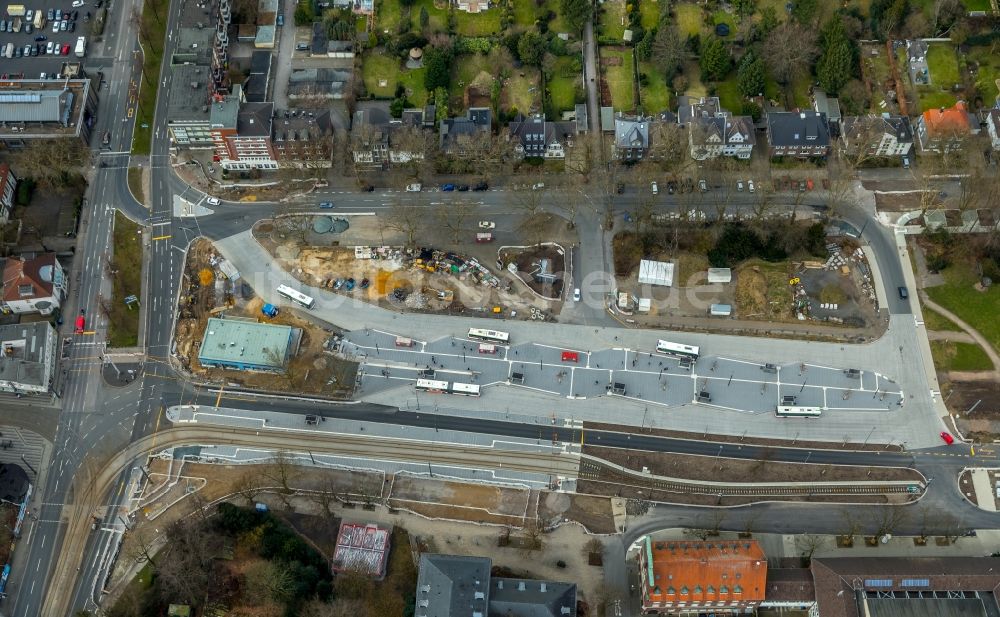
248, 345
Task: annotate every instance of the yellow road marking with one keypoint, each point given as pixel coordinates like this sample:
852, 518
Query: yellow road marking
162, 237
219, 399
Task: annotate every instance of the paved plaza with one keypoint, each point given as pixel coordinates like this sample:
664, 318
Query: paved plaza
747, 385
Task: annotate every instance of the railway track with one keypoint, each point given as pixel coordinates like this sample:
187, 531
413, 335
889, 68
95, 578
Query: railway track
592, 469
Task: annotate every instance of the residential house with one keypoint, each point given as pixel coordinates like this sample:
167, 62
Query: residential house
945, 129
8, 191
721, 135
885, 135
461, 586
631, 138
798, 134
456, 133
370, 138
471, 6
35, 285
724, 577
535, 137
690, 107
28, 357
303, 138
992, 127
829, 105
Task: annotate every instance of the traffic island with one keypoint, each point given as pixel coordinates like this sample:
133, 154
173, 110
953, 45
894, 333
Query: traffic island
125, 269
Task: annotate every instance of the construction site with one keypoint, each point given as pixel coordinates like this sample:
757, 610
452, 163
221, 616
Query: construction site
398, 278
211, 287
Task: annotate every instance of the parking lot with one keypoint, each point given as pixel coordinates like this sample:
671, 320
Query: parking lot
745, 385
42, 44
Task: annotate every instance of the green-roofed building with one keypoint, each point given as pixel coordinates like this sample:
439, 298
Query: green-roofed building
247, 345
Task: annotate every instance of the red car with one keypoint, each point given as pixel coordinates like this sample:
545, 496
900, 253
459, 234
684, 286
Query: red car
81, 323
570, 356
946, 436
65, 49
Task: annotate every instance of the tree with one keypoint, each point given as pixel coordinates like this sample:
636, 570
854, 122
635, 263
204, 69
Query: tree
944, 14
53, 162
667, 144
744, 8
714, 59
644, 48
405, 219
593, 546
531, 48
249, 486
283, 472
188, 571
576, 13
834, 68
750, 76
809, 544
425, 17
768, 20
437, 61
266, 581
789, 61
668, 50
886, 518
454, 218
804, 11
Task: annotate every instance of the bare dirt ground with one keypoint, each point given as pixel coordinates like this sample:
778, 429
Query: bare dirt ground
735, 470
983, 398
757, 441
208, 294
397, 280
528, 262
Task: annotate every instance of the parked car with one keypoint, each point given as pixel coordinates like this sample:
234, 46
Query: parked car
213, 201
487, 225
413, 188
63, 26
72, 26
448, 187
48, 48
18, 52
326, 205
576, 295
739, 185
802, 186
77, 4
281, 19
703, 186
50, 15
906, 163
58, 15
65, 49
750, 185
620, 188
946, 436
368, 188
27, 50
653, 187
74, 15
538, 186
41, 38
463, 187
349, 284
338, 283
365, 283
481, 186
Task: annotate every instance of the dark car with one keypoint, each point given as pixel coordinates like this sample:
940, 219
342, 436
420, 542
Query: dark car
18, 52
349, 284
365, 283
326, 205
463, 187
904, 293
481, 186
620, 188
448, 187
41, 38
34, 50
50, 15
368, 188
72, 26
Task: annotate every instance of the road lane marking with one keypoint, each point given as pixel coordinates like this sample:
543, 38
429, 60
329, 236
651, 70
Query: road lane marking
167, 237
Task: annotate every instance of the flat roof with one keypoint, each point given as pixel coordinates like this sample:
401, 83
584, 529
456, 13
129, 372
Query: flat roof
188, 98
361, 548
237, 341
925, 607
23, 349
37, 107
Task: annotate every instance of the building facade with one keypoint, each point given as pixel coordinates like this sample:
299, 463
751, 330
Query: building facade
946, 129
680, 577
8, 192
993, 127
800, 134
721, 135
631, 138
535, 137
885, 135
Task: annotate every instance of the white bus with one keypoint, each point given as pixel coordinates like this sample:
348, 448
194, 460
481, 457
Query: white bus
465, 389
490, 336
295, 296
432, 385
677, 350
791, 411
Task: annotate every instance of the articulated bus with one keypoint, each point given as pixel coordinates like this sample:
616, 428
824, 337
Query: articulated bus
789, 411
490, 336
295, 296
677, 350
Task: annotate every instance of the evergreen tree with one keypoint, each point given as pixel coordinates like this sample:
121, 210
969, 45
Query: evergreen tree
834, 67
438, 61
576, 13
531, 48
425, 17
750, 76
714, 61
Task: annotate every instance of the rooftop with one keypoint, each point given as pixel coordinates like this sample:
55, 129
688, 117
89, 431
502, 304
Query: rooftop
26, 279
188, 96
194, 45
530, 598
452, 585
361, 548
241, 342
798, 128
954, 120
631, 133
225, 110
42, 108
23, 353
254, 120
696, 571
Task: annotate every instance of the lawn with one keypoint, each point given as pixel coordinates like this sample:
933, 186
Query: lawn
621, 80
154, 29
649, 13
693, 75
722, 17
479, 24
655, 95
950, 356
521, 91
379, 66
135, 184
464, 71
562, 86
613, 19
123, 323
932, 98
413, 81
729, 94
977, 5
943, 65
978, 309
526, 12
689, 18
989, 71
937, 322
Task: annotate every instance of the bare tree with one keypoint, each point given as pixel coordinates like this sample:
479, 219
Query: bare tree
887, 518
529, 201
787, 60
188, 571
405, 219
249, 486
454, 217
532, 537
266, 581
593, 546
141, 548
283, 472
52, 162
851, 525
668, 51
668, 144
808, 544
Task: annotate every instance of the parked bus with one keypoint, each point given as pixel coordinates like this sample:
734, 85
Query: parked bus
490, 336
792, 411
432, 385
295, 296
677, 350
464, 389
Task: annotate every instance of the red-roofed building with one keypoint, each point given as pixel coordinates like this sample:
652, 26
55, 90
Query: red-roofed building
36, 285
720, 576
945, 129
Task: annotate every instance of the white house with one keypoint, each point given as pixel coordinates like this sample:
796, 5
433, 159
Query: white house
721, 135
885, 135
36, 285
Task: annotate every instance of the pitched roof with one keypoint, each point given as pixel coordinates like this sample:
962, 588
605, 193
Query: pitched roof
691, 107
725, 128
528, 598
631, 133
452, 585
789, 585
476, 120
897, 126
947, 121
802, 128
724, 570
254, 120
25, 279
